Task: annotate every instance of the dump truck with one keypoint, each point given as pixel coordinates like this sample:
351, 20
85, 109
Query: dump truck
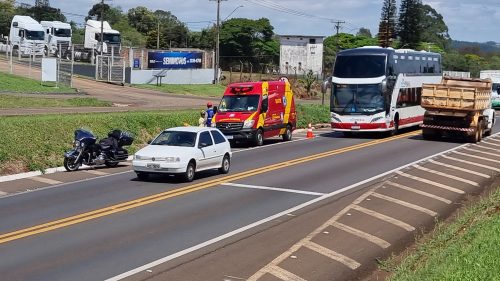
457, 107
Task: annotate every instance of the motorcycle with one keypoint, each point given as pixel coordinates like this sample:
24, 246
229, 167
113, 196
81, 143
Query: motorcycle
87, 151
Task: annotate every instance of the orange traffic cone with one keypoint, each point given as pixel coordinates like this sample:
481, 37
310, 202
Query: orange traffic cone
310, 134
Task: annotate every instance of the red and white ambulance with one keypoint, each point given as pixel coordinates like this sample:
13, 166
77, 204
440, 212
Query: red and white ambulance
253, 111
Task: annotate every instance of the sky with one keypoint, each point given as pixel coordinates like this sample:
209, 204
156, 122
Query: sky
467, 20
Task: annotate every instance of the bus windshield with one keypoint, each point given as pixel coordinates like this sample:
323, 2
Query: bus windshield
357, 99
359, 66
239, 103
35, 35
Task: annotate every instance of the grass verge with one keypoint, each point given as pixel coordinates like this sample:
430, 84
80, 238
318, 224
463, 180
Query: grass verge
204, 90
13, 101
16, 84
468, 249
31, 143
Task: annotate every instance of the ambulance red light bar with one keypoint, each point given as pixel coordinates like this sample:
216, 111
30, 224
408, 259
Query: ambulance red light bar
240, 89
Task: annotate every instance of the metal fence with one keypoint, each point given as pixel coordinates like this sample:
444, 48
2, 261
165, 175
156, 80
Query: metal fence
30, 66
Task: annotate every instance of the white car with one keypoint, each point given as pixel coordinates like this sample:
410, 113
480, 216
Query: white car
184, 151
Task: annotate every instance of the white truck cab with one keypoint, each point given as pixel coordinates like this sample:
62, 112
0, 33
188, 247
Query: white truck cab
93, 36
57, 34
27, 36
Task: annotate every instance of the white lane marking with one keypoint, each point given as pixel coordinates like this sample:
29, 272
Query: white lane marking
488, 142
274, 189
352, 264
493, 139
268, 219
473, 183
94, 172
401, 186
477, 157
294, 248
459, 169
361, 234
471, 163
405, 204
45, 180
483, 152
443, 186
383, 217
284, 274
487, 148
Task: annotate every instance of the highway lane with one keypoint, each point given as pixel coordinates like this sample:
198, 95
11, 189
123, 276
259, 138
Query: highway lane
110, 245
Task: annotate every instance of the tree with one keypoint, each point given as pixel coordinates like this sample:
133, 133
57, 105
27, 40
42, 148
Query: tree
7, 11
409, 24
364, 32
143, 19
248, 40
111, 14
434, 29
387, 26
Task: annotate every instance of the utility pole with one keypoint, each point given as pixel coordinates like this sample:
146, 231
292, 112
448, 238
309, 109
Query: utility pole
217, 50
102, 27
337, 27
158, 35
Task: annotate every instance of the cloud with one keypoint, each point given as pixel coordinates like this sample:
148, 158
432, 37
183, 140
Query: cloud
466, 20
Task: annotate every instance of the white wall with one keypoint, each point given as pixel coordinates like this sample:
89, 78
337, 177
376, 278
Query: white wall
301, 54
173, 76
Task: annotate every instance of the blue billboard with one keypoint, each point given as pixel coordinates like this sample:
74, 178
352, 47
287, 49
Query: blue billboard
174, 60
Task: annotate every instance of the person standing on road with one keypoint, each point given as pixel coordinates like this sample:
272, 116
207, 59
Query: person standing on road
210, 114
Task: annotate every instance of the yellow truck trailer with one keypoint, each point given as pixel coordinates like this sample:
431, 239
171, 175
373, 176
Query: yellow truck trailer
458, 107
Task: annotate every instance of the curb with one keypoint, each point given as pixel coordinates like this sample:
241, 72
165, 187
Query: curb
40, 173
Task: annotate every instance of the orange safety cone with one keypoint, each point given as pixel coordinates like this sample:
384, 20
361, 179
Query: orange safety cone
310, 134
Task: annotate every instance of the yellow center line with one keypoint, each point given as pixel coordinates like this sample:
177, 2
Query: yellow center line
41, 228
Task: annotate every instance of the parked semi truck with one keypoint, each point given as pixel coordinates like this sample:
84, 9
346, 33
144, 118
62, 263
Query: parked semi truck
458, 107
27, 36
92, 45
494, 75
57, 38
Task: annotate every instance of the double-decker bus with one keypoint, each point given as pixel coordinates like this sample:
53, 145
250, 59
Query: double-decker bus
376, 89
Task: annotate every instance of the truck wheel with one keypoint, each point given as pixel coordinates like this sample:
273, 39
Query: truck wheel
287, 136
259, 138
477, 135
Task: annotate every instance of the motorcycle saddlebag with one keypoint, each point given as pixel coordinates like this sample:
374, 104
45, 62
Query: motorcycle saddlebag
126, 139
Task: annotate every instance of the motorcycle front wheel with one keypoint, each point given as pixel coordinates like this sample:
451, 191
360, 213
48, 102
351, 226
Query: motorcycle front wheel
70, 165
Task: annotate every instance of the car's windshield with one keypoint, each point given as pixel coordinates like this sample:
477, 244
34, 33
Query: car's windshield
359, 66
357, 99
111, 38
62, 32
175, 138
239, 103
35, 35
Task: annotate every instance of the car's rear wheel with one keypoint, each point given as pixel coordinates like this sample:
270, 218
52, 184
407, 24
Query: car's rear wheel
226, 164
190, 171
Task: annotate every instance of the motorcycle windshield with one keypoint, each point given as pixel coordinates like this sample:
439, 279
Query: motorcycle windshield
81, 134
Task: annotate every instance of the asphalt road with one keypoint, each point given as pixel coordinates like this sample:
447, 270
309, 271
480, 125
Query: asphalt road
237, 226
